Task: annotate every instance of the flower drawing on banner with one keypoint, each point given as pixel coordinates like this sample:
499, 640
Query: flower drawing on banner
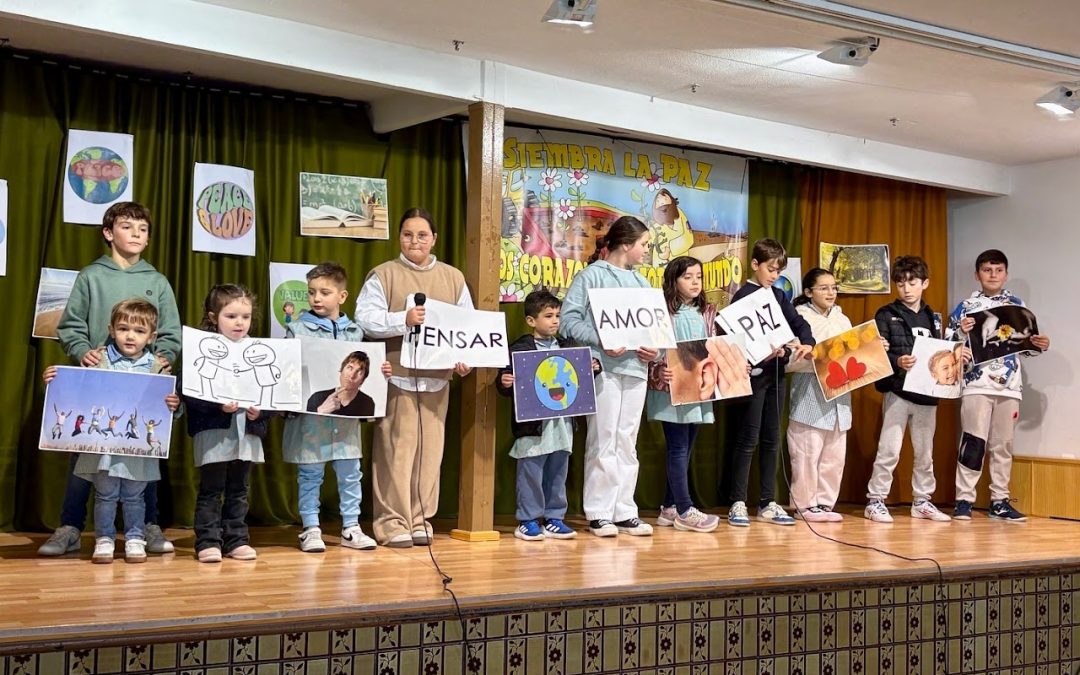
578, 177
564, 210
652, 182
550, 180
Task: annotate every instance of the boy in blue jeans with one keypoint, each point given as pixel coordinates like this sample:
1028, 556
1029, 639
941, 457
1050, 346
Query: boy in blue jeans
84, 328
541, 448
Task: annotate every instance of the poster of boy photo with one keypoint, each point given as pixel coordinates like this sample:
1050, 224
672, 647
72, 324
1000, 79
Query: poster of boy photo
343, 379
852, 359
107, 412
709, 369
860, 268
1000, 331
54, 289
259, 372
553, 383
938, 369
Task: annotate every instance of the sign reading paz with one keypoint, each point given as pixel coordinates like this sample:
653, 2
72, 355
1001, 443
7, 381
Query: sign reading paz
631, 318
452, 335
759, 317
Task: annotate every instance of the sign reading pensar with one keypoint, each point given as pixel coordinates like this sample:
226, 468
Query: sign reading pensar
631, 318
759, 317
452, 335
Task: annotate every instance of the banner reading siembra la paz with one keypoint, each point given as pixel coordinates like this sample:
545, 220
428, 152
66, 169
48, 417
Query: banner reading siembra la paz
561, 191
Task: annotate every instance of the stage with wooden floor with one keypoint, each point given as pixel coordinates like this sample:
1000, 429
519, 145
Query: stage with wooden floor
764, 598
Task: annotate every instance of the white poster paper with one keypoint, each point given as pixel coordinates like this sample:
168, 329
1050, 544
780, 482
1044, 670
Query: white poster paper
223, 210
3, 227
100, 172
790, 281
631, 318
54, 289
451, 335
343, 379
288, 295
260, 372
757, 316
938, 369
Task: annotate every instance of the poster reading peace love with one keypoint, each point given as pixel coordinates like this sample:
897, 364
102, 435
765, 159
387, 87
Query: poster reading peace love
561, 191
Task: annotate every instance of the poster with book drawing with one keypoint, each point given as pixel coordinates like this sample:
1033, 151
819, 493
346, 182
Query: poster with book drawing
353, 207
260, 372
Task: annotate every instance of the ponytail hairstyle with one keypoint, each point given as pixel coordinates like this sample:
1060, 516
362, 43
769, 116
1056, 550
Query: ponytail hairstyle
626, 230
219, 296
809, 280
675, 269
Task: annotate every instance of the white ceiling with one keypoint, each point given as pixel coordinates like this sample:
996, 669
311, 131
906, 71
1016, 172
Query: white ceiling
744, 61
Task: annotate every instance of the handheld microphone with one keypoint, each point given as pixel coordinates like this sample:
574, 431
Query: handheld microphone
419, 299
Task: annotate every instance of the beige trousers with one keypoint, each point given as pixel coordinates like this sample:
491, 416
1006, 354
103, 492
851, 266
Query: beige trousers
817, 464
988, 423
406, 463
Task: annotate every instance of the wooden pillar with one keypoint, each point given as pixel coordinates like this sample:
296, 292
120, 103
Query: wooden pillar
483, 232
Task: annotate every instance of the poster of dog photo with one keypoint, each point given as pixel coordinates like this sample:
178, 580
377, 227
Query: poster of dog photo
938, 369
1000, 331
708, 370
343, 379
852, 359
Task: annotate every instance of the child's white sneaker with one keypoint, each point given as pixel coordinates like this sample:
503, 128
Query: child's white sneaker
634, 527
737, 515
135, 551
814, 514
104, 548
311, 540
696, 521
602, 527
667, 516
354, 537
775, 514
877, 512
923, 508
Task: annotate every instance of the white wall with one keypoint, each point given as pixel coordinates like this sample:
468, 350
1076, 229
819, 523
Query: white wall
1036, 226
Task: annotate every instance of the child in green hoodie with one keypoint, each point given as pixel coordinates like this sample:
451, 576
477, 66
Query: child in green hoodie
84, 328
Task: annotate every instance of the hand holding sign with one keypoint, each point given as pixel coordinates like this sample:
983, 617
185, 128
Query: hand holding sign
632, 319
759, 317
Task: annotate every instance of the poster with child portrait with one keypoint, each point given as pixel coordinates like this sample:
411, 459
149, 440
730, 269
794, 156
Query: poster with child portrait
709, 369
1000, 331
343, 379
852, 359
937, 370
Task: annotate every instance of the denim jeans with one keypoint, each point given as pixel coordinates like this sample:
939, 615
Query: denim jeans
219, 525
77, 494
759, 426
680, 442
310, 478
111, 490
541, 486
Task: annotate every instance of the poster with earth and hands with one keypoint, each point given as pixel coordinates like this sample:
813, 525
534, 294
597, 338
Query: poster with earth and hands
561, 192
288, 295
858, 268
3, 227
100, 171
223, 210
353, 207
260, 372
552, 383
107, 412
54, 289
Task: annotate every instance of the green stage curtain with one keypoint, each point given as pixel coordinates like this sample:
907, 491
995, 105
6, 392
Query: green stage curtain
176, 124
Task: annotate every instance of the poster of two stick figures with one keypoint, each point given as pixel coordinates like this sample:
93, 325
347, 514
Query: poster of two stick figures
259, 372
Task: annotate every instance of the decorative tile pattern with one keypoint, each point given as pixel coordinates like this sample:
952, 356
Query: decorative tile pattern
1017, 624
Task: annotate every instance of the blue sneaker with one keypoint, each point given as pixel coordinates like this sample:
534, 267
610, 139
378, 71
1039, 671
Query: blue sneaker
557, 529
962, 510
1003, 510
737, 515
529, 530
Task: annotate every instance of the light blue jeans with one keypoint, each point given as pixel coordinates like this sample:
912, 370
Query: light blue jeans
310, 478
111, 490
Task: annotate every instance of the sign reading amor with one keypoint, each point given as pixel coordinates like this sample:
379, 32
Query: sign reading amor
631, 318
759, 317
452, 335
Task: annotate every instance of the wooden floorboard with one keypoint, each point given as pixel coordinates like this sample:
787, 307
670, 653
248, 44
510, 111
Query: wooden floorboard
69, 597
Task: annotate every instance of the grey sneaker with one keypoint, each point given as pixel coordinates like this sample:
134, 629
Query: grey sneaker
64, 540
156, 541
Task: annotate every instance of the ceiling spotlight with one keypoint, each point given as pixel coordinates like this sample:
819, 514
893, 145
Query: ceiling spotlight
1062, 100
853, 52
581, 13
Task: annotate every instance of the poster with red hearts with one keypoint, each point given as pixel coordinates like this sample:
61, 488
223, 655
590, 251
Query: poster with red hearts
852, 359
